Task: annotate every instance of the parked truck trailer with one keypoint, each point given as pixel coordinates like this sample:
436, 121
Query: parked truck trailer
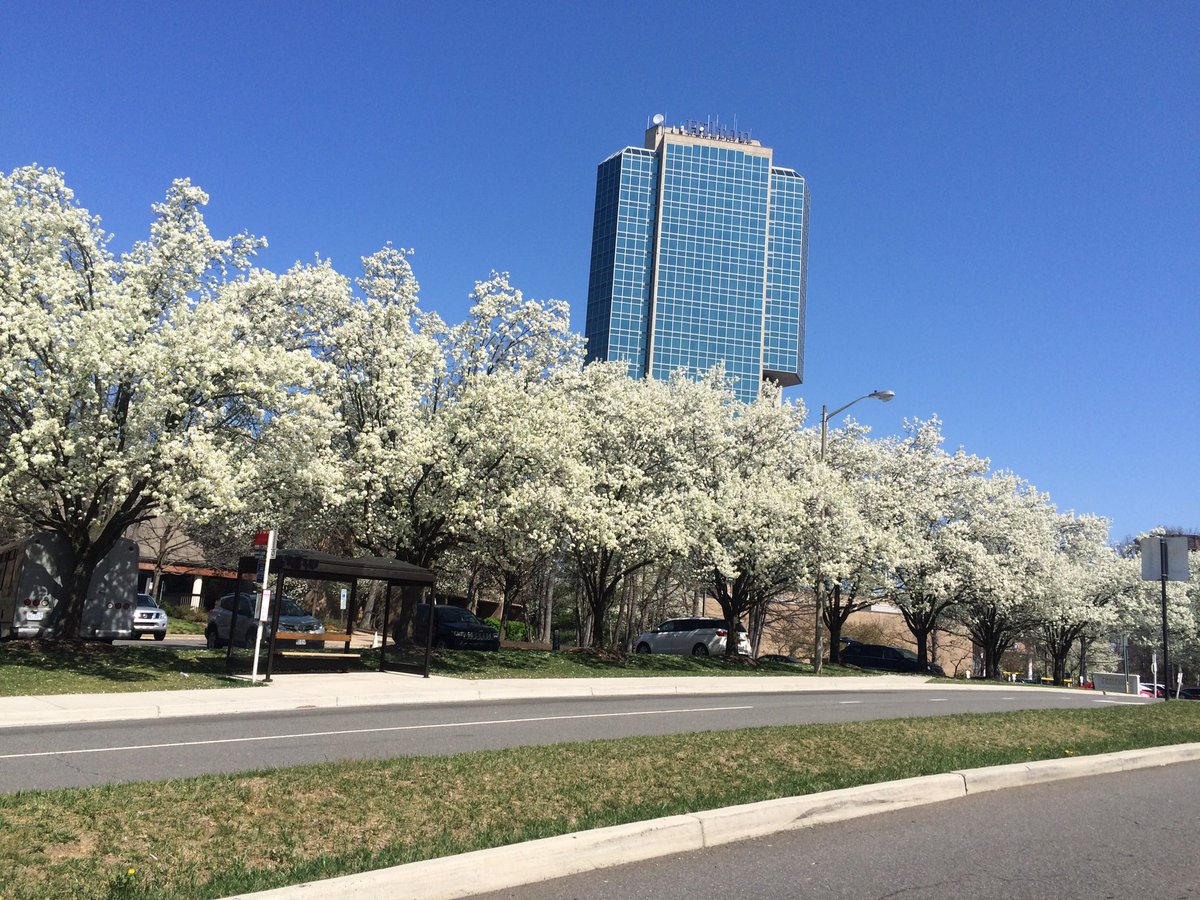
32, 572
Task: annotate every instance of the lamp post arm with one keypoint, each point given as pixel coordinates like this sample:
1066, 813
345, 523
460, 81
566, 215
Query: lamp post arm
850, 404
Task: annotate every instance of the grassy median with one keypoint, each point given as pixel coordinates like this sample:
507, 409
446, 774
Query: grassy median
29, 668
214, 836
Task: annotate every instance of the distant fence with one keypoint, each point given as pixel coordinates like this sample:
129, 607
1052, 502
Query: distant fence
1115, 683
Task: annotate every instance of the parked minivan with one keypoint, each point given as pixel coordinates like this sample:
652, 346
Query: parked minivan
691, 637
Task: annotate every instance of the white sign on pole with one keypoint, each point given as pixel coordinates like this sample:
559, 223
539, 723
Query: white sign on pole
1152, 561
264, 602
343, 598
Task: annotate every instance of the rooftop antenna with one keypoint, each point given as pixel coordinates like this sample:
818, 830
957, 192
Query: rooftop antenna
658, 119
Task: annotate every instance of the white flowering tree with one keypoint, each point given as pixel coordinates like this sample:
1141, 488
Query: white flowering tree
857, 544
138, 383
515, 538
1007, 571
635, 496
755, 503
929, 502
431, 415
1093, 586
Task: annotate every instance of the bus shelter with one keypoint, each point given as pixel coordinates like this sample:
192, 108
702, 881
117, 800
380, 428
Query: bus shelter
313, 565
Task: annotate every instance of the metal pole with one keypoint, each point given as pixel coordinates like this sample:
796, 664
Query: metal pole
824, 429
819, 586
1166, 659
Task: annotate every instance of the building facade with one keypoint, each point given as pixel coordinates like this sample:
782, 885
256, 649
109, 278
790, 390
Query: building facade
699, 258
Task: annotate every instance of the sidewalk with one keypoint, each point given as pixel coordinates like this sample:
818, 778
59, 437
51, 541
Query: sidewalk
322, 691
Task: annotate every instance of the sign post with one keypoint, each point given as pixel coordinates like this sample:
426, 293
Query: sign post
264, 549
1164, 558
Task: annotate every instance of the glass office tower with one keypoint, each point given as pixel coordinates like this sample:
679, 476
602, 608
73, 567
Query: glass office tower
699, 257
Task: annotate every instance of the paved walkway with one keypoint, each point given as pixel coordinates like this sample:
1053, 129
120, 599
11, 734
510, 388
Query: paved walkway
311, 691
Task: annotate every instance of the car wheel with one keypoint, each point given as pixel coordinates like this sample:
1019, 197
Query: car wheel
439, 644
643, 647
160, 635
700, 650
248, 640
211, 641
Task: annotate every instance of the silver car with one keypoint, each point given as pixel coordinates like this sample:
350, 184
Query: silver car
292, 618
694, 637
149, 618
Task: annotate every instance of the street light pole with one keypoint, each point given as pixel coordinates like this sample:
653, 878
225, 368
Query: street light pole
883, 396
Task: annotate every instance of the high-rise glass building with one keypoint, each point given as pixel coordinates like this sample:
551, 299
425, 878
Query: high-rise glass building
699, 257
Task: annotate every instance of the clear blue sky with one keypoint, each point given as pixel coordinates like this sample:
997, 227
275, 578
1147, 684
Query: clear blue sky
1006, 195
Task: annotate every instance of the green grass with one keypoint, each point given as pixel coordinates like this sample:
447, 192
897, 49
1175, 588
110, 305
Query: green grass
45, 667
184, 626
601, 664
220, 835
185, 619
29, 668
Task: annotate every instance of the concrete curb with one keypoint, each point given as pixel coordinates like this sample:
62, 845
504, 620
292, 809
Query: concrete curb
501, 868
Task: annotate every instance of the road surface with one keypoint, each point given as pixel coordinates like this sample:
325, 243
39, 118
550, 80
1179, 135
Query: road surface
42, 757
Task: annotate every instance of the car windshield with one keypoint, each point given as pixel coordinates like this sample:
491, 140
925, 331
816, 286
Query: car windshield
907, 654
291, 608
147, 601
456, 614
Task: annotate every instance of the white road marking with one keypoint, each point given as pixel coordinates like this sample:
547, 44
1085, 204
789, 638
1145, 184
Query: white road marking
937, 700
1120, 702
311, 734
848, 702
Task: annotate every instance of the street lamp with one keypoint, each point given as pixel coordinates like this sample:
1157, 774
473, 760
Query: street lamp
884, 396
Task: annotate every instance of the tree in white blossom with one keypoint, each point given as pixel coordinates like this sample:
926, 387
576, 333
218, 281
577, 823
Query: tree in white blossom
930, 502
758, 504
634, 499
856, 537
426, 432
515, 536
1006, 572
1092, 585
138, 383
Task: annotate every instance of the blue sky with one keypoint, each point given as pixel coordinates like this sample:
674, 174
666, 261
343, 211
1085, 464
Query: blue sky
1005, 195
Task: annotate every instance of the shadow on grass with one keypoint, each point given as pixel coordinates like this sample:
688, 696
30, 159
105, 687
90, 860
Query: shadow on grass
104, 662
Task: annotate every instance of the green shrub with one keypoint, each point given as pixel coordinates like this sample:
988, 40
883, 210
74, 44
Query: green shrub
514, 632
187, 613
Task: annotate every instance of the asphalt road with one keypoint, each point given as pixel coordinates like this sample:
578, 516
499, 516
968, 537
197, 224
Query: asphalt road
43, 757
1106, 836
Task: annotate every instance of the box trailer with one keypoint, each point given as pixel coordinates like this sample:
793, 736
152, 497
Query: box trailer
32, 572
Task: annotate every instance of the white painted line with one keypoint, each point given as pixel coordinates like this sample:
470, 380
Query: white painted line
311, 734
937, 700
848, 702
1119, 702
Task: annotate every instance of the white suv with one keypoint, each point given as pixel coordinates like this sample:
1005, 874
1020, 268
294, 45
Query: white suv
697, 637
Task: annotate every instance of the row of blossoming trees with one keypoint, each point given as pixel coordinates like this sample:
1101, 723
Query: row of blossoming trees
179, 379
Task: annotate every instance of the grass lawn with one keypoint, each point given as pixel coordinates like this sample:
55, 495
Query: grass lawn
576, 663
28, 668
184, 626
44, 667
218, 835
